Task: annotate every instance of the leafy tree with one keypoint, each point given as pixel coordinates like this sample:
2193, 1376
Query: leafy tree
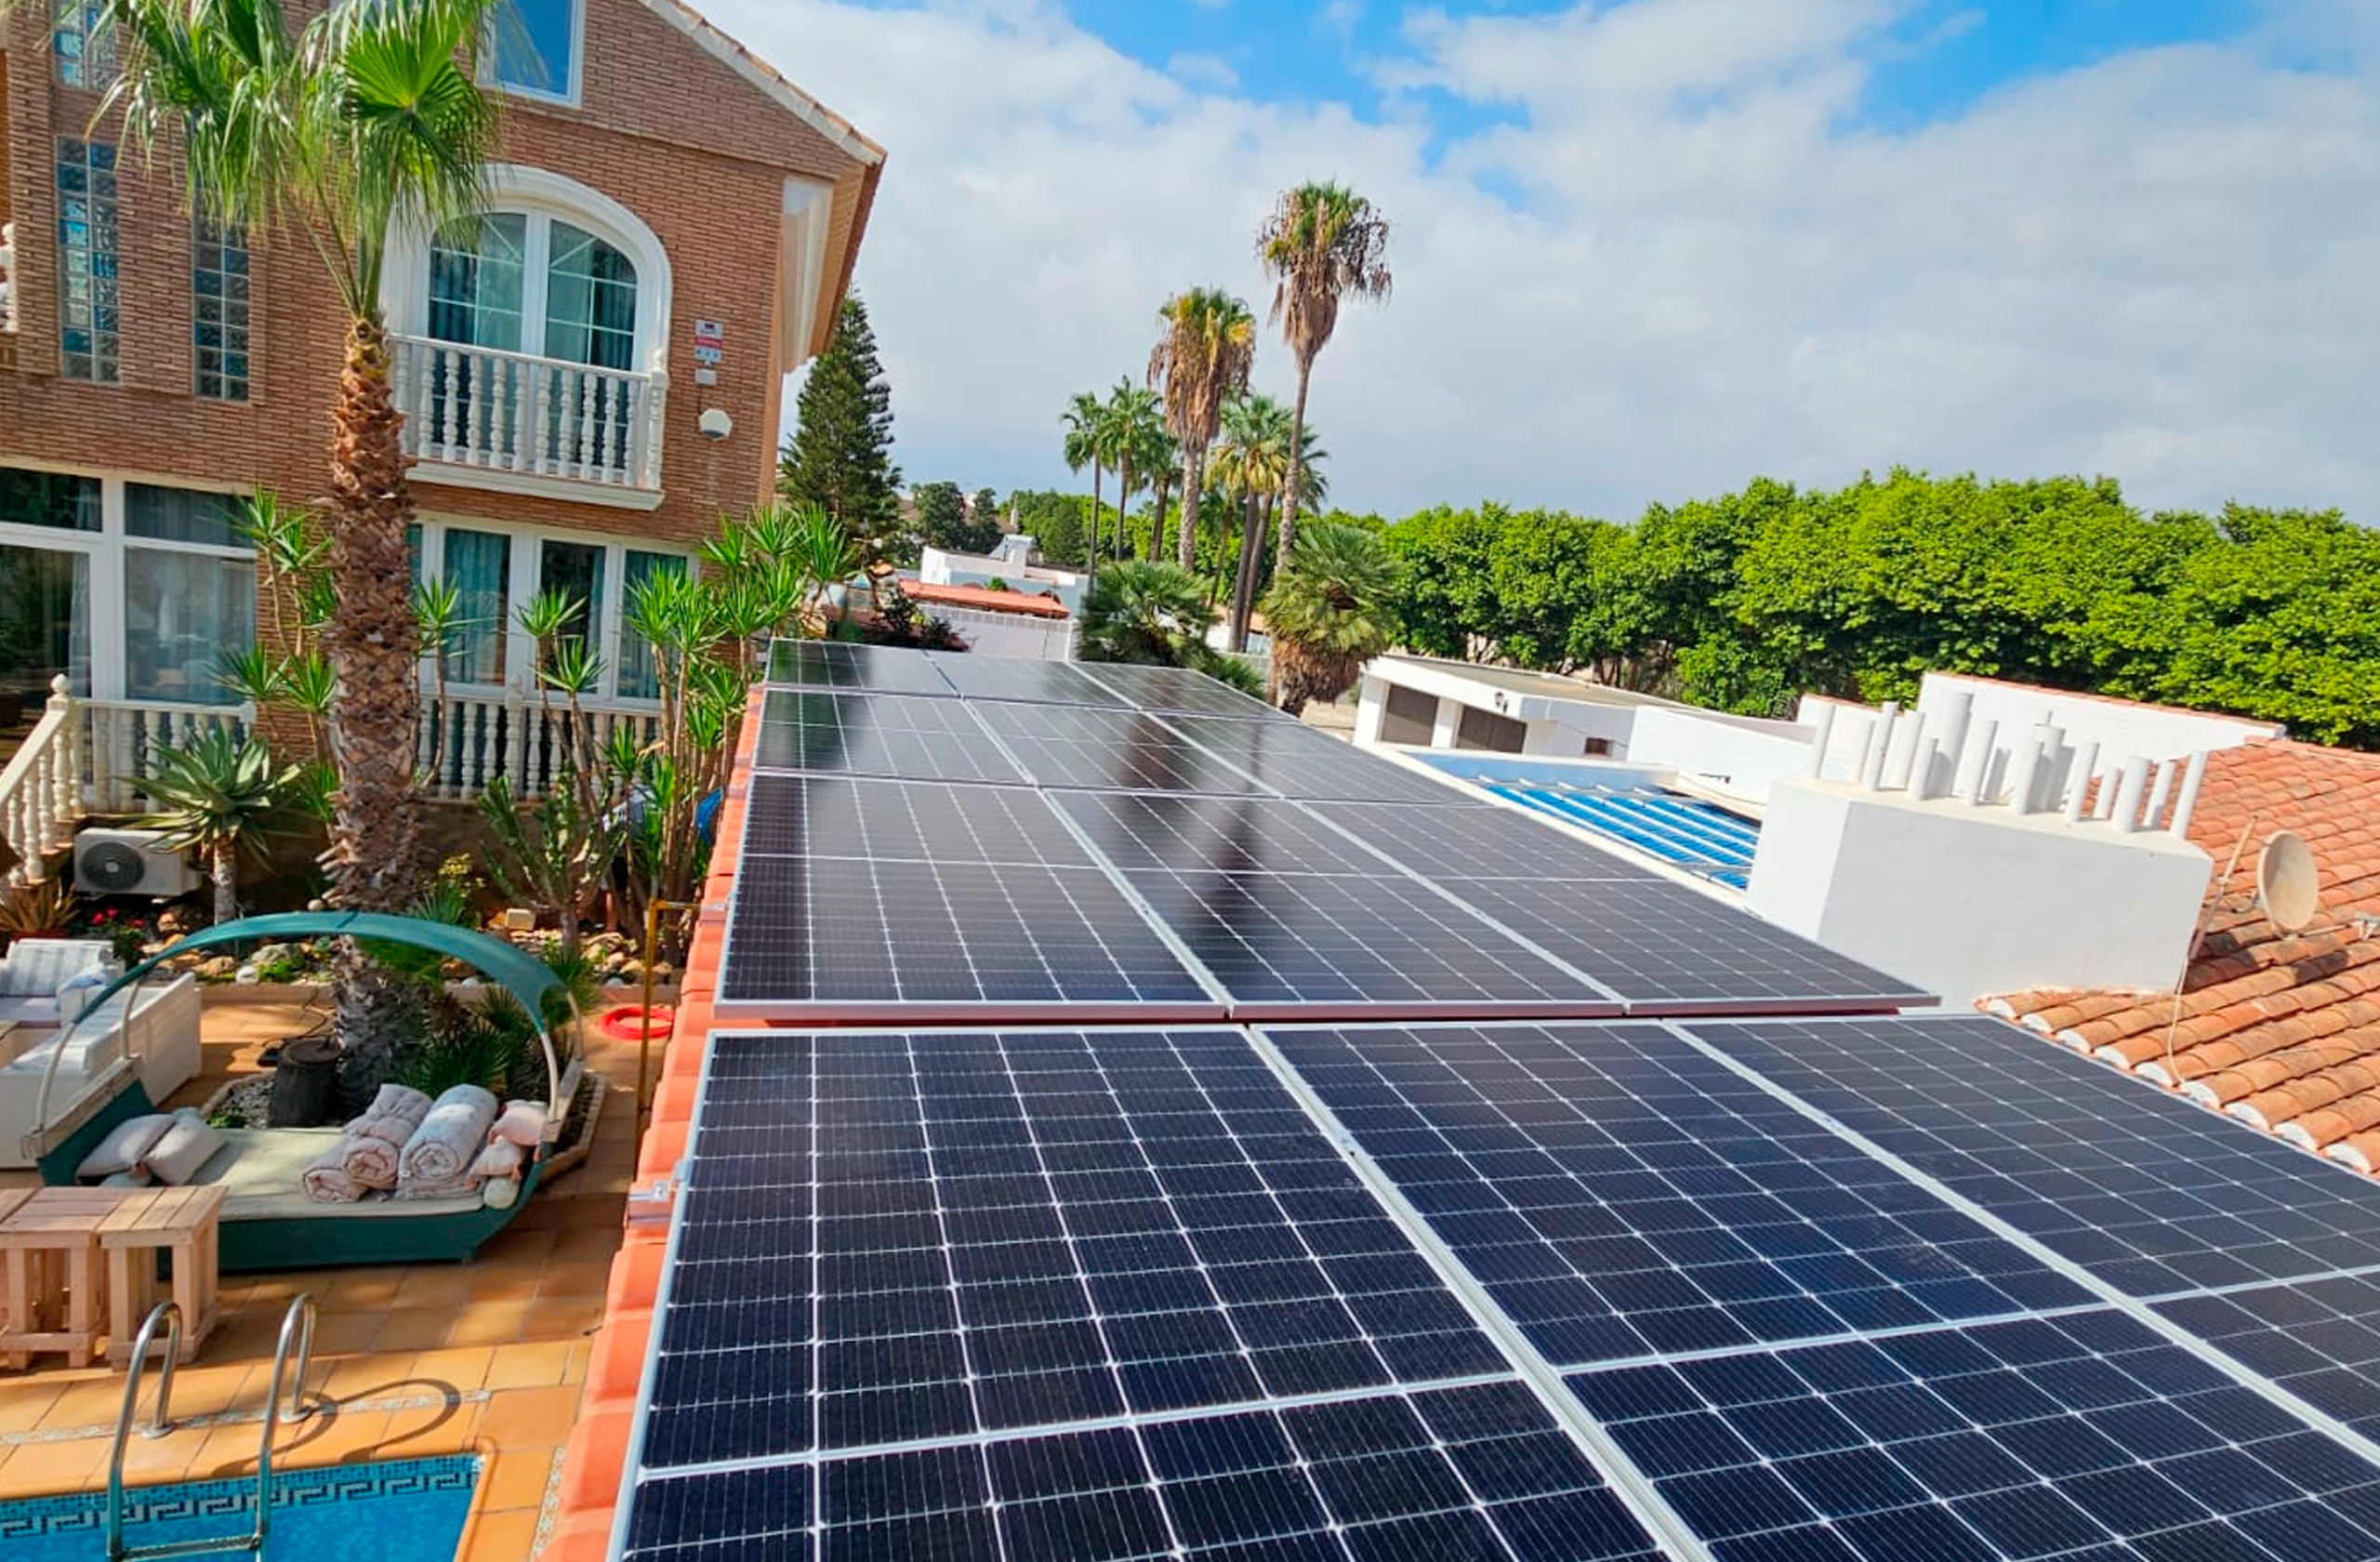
1200, 362
367, 120
1331, 609
841, 455
1055, 521
982, 532
942, 513
1323, 243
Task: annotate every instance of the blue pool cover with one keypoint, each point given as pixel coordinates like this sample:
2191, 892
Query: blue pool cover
1698, 837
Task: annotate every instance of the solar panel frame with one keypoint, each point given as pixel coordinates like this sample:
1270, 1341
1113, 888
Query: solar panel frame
1022, 679
840, 664
851, 941
1620, 1195
1668, 950
911, 738
2155, 1196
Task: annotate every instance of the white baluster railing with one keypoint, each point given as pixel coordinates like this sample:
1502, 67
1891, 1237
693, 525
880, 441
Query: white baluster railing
41, 788
123, 737
474, 406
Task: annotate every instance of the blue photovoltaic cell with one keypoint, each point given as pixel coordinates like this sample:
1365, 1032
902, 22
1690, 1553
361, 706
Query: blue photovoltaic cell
1017, 678
1238, 834
1460, 1474
1114, 750
1179, 690
2318, 1339
836, 665
2082, 1437
1295, 760
2151, 1194
1620, 1195
913, 737
873, 820
1460, 838
894, 1236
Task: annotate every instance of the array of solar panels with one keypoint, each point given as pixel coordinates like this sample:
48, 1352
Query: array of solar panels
1701, 837
935, 838
1883, 1289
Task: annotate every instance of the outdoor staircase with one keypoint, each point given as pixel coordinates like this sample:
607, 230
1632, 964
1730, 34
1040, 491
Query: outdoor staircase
41, 790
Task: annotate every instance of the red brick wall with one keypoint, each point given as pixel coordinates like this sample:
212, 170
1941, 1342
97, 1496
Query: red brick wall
674, 134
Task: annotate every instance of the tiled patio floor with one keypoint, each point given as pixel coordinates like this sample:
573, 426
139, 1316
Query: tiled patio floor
415, 1360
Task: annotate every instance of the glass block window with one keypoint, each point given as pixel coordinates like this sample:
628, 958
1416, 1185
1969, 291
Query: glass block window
87, 262
85, 51
218, 286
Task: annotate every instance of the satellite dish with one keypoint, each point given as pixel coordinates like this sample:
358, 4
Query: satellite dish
2288, 886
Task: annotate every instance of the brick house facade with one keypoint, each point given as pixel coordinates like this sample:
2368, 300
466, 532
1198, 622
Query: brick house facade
669, 211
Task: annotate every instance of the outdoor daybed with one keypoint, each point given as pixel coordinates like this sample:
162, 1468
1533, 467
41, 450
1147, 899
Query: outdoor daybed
268, 1221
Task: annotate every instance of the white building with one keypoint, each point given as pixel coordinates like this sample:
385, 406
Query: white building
1011, 566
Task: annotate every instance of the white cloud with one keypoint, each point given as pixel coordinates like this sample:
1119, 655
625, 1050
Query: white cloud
1208, 73
2165, 266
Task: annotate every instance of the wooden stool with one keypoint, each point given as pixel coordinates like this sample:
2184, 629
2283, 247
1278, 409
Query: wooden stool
184, 1221
54, 1287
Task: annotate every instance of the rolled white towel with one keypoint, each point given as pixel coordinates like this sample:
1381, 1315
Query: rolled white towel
459, 1188
370, 1158
325, 1178
449, 1138
395, 1114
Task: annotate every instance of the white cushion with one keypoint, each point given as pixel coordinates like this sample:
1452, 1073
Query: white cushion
38, 967
124, 1145
185, 1146
76, 994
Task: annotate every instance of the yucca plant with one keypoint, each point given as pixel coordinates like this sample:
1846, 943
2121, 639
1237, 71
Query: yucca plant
1330, 610
221, 795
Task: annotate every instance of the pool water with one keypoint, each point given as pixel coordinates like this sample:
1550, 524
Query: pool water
401, 1511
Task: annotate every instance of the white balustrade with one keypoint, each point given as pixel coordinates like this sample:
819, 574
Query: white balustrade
123, 737
469, 739
513, 412
41, 788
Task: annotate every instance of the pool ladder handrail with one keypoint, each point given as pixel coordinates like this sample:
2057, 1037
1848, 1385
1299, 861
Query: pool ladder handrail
301, 1319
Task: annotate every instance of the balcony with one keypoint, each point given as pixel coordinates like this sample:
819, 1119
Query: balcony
476, 418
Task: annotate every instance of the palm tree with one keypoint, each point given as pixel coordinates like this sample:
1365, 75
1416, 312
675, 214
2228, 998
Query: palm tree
1161, 457
1322, 243
1330, 611
1127, 419
1143, 610
220, 795
1200, 362
1086, 447
365, 120
1253, 462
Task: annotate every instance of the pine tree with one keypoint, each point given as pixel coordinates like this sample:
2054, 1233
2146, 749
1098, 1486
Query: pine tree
942, 514
841, 455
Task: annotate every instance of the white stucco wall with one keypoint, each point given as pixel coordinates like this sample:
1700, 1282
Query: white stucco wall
937, 568
1970, 901
1009, 634
2119, 727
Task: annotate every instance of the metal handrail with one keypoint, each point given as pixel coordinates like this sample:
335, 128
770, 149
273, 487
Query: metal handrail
300, 1319
169, 1313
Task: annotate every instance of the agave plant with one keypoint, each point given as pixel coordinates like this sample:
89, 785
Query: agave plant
1330, 611
221, 795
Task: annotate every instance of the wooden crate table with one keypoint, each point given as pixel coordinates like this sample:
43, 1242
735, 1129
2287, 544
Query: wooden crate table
183, 1221
54, 1288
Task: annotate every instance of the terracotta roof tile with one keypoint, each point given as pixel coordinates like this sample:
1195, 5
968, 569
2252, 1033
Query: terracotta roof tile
2281, 1030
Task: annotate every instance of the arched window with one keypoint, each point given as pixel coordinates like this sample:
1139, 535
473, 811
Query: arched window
529, 282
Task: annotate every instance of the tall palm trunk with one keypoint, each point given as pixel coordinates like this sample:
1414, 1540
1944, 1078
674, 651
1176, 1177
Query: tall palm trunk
1186, 538
1243, 586
1156, 526
1297, 470
1123, 505
376, 826
224, 865
1090, 543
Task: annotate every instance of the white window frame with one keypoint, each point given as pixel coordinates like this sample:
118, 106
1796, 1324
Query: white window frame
522, 585
539, 192
105, 552
578, 69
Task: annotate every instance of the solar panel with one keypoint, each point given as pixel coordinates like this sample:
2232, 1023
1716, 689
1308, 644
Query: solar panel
913, 820
814, 937
1295, 760
1667, 949
1620, 1195
1284, 946
877, 734
2082, 1435
1014, 678
1179, 690
834, 664
1082, 746
2151, 1194
1470, 1473
1458, 838
1252, 834
2318, 1339
889, 1237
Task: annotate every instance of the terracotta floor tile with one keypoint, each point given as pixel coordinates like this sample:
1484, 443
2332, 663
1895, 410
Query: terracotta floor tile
343, 1333
421, 1431
205, 1389
530, 1417
519, 1244
563, 1317
442, 1286
464, 1368
375, 1287
491, 1323
23, 1404
48, 1469
336, 1437
517, 1478
596, 1241
581, 1277
413, 1332
533, 1363
91, 1402
500, 1537
365, 1377
161, 1460
574, 1366
247, 1337
504, 1281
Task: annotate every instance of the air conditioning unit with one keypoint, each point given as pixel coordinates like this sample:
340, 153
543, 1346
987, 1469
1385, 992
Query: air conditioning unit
130, 862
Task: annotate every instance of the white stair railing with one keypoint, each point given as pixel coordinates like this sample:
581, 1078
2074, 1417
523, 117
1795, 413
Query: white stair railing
125, 737
513, 412
470, 739
41, 790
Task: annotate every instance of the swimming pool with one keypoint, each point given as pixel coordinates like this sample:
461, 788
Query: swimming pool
1685, 832
401, 1511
